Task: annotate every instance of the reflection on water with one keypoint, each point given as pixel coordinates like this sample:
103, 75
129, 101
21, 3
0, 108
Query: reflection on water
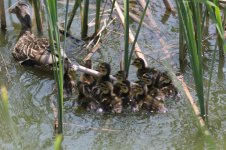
31, 95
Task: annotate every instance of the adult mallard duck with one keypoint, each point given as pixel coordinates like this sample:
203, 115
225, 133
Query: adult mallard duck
29, 49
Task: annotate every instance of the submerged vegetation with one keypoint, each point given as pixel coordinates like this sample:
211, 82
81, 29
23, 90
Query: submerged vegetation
193, 20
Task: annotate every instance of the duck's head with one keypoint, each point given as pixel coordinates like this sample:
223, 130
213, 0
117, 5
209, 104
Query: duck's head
147, 79
21, 9
139, 63
88, 64
106, 87
138, 89
104, 68
120, 75
125, 87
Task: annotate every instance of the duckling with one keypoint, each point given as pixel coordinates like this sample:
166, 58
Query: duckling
87, 78
151, 103
105, 70
163, 80
29, 49
170, 90
125, 93
69, 84
148, 80
142, 69
87, 99
109, 101
138, 95
145, 100
151, 89
120, 76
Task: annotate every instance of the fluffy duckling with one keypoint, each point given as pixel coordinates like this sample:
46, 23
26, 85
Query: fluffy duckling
108, 100
120, 76
145, 100
151, 103
163, 80
170, 91
151, 89
87, 99
87, 78
85, 83
105, 70
138, 96
142, 69
162, 88
125, 93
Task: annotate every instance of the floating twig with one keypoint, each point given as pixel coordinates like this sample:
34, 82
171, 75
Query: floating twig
169, 5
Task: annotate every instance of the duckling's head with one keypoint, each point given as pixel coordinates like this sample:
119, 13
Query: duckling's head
120, 75
147, 79
138, 89
125, 87
88, 64
22, 12
106, 87
104, 68
139, 63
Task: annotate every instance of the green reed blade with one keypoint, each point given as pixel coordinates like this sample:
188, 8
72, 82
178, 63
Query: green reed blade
58, 142
6, 119
85, 13
112, 8
76, 5
2, 15
126, 35
37, 8
51, 7
186, 20
136, 36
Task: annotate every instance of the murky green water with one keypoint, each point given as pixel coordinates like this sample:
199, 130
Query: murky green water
31, 96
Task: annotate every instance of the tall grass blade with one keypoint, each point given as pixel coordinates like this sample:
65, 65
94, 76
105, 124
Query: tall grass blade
97, 20
186, 19
210, 79
6, 120
215, 15
112, 8
126, 35
85, 13
136, 36
65, 25
76, 5
51, 7
37, 8
2, 15
58, 142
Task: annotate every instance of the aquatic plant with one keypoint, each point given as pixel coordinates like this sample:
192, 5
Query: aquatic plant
37, 11
6, 119
191, 21
85, 11
2, 15
51, 9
